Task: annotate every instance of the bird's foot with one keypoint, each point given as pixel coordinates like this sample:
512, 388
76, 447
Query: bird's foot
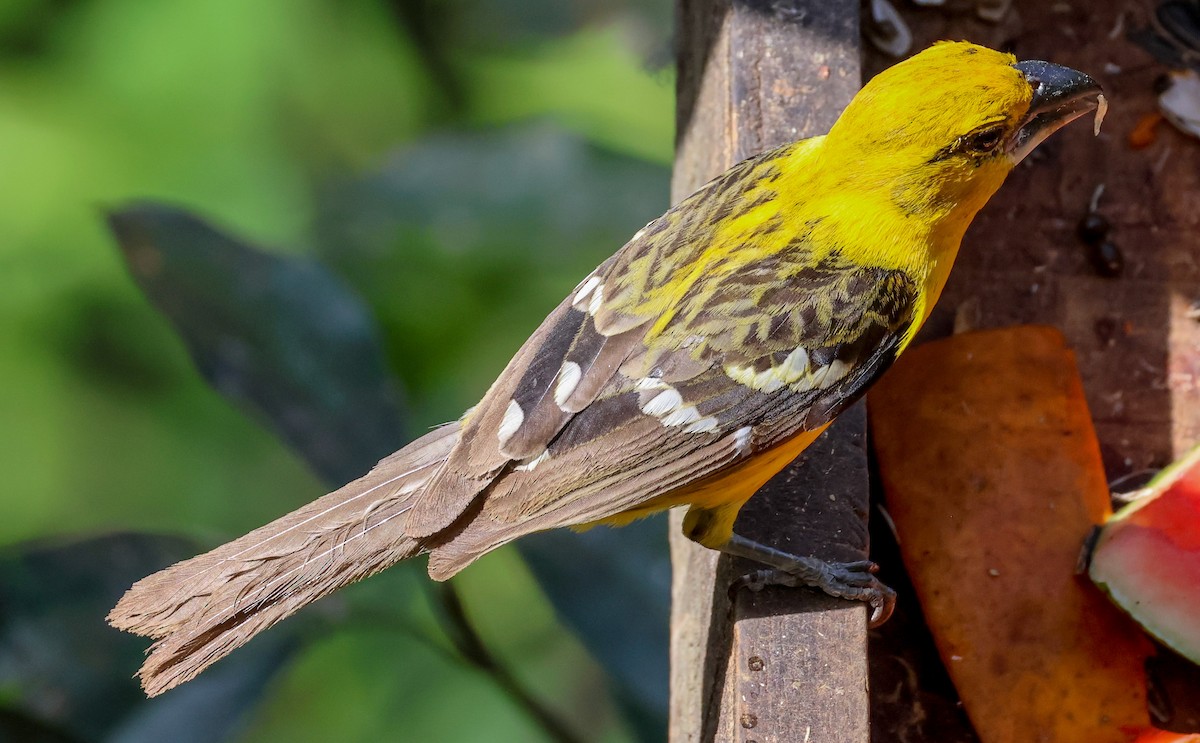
855, 581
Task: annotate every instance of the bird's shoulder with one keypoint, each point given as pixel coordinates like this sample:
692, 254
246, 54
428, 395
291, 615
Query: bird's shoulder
692, 315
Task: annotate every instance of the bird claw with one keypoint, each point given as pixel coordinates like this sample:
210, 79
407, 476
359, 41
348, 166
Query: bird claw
854, 581
860, 574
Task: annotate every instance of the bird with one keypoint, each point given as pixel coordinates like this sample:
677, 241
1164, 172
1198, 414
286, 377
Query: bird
685, 370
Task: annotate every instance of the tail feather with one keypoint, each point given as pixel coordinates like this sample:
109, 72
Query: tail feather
202, 609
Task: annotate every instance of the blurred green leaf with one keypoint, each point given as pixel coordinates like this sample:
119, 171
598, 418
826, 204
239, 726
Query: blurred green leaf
511, 23
237, 109
58, 657
613, 588
278, 335
463, 242
588, 82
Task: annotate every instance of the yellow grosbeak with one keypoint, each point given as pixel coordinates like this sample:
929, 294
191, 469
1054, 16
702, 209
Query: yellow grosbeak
687, 369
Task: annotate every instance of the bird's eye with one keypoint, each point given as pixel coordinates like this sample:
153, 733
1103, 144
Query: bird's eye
986, 140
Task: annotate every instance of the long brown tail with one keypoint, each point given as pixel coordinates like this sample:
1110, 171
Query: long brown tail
202, 609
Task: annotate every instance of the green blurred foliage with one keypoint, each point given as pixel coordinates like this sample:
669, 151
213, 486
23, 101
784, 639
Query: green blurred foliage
288, 123
279, 335
486, 231
286, 341
58, 662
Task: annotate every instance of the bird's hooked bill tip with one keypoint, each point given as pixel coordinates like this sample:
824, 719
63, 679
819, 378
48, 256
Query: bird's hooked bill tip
1055, 85
1060, 95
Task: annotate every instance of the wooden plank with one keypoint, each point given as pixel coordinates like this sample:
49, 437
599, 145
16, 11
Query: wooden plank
783, 665
801, 656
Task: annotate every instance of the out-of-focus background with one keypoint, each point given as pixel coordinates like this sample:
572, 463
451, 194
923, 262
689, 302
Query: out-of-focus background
249, 248
233, 237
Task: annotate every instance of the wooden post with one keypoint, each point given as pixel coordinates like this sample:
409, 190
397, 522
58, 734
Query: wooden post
783, 666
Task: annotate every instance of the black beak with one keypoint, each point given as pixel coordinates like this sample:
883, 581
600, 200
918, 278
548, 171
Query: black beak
1055, 86
1060, 95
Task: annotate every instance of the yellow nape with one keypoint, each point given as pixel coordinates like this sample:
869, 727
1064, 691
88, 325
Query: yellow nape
893, 182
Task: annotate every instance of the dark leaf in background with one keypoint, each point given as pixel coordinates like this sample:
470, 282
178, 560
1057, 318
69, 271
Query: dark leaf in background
279, 335
464, 229
536, 187
489, 231
213, 707
463, 242
59, 661
483, 223
613, 587
18, 727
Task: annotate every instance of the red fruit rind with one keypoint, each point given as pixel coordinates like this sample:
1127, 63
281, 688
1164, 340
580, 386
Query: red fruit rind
1166, 736
1148, 558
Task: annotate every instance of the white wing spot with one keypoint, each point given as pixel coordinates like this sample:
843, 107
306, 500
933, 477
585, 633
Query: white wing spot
668, 407
707, 424
568, 379
771, 383
513, 418
837, 370
794, 366
682, 416
663, 403
741, 439
740, 374
597, 300
763, 381
530, 463
585, 289
791, 370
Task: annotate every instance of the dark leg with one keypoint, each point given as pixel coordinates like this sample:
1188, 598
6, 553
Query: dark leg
848, 580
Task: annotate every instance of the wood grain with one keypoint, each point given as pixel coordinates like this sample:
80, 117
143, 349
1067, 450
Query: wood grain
783, 665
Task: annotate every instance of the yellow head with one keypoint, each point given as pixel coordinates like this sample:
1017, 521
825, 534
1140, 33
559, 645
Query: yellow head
941, 130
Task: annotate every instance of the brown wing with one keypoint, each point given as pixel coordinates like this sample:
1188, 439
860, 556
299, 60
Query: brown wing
578, 349
765, 375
